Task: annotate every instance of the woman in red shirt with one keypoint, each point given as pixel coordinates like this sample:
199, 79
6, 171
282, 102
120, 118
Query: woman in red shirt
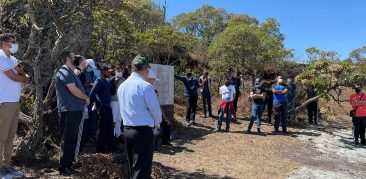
358, 102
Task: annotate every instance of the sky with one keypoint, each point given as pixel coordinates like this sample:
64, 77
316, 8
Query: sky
336, 25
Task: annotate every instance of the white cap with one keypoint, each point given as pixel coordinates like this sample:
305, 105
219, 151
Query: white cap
91, 63
152, 74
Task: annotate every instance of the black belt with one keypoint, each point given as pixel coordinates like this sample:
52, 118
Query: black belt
137, 127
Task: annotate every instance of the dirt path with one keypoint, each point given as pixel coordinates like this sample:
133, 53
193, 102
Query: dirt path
200, 153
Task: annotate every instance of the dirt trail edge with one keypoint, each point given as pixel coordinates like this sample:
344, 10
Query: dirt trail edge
338, 158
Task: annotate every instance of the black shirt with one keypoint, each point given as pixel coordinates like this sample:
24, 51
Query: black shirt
258, 90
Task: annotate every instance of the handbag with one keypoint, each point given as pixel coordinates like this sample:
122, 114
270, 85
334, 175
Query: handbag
353, 112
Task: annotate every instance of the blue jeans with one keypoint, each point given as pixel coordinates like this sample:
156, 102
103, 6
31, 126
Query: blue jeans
280, 115
257, 111
228, 116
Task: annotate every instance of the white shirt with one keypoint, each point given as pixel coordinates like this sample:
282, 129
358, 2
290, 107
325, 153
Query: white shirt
227, 93
9, 90
139, 105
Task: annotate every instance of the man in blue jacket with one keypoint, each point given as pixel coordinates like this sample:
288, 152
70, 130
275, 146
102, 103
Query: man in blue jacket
191, 86
101, 93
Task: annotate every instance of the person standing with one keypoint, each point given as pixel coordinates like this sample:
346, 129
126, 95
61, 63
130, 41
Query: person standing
257, 96
101, 93
191, 86
205, 84
11, 78
358, 103
141, 114
71, 101
280, 104
165, 124
312, 106
291, 97
117, 120
226, 105
91, 123
268, 100
236, 82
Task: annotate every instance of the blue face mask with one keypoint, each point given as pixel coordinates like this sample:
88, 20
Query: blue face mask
89, 69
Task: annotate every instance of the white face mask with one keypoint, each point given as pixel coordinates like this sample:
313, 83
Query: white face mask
119, 74
14, 48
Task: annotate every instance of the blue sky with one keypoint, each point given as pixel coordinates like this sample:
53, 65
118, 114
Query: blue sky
337, 25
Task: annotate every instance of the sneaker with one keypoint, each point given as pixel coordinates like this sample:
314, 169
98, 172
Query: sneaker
356, 142
212, 116
15, 173
227, 130
192, 122
188, 124
259, 130
217, 130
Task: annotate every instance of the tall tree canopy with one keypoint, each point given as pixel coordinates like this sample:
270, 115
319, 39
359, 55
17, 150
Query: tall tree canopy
248, 47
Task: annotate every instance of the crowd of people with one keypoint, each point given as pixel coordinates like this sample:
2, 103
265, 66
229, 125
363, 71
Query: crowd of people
93, 98
277, 95
97, 102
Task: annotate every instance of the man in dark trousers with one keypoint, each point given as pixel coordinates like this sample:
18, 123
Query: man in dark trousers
236, 82
141, 114
71, 100
205, 83
358, 102
280, 104
312, 106
268, 100
101, 94
191, 86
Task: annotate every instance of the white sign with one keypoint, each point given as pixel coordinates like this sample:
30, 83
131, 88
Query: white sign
165, 85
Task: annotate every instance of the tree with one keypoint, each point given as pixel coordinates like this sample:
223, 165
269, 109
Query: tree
115, 22
166, 45
204, 23
329, 77
251, 49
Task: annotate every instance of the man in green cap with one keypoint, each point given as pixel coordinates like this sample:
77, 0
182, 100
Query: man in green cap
141, 114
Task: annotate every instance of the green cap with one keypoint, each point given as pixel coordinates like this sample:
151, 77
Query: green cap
140, 60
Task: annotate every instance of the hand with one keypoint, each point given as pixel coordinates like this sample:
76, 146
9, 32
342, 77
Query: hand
156, 130
87, 101
20, 69
25, 78
89, 85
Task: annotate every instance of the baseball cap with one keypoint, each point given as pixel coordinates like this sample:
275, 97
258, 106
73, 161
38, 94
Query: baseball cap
152, 74
358, 86
140, 60
100, 58
106, 68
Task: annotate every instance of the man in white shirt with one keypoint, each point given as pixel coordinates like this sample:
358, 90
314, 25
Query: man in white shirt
141, 114
11, 77
226, 105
